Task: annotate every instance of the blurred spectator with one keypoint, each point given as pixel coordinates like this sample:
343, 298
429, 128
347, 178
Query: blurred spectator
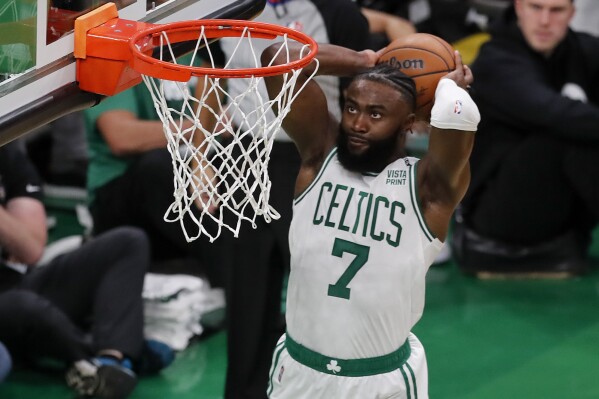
130, 178
259, 258
534, 195
5, 362
84, 307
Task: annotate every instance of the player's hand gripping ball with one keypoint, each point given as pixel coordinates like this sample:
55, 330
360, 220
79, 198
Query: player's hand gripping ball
426, 59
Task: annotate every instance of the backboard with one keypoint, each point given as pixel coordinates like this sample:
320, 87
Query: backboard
37, 67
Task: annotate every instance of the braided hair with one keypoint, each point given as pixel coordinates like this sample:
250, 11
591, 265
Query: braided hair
393, 77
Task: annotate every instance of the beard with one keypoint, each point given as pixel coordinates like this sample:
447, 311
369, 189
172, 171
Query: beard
376, 157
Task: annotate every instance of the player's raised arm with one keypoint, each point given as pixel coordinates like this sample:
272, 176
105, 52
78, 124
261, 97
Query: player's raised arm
309, 122
444, 173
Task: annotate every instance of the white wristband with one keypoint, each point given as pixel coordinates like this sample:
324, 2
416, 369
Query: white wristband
454, 108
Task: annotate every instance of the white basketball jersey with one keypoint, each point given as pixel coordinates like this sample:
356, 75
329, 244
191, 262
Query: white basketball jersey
360, 250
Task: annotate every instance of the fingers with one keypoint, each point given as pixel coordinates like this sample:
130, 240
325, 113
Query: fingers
208, 202
380, 52
372, 56
468, 76
463, 74
212, 209
458, 60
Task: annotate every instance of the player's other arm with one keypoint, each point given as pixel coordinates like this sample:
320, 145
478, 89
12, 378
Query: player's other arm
444, 173
126, 134
123, 130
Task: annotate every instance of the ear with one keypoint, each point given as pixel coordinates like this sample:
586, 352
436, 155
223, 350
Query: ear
409, 123
573, 11
405, 129
517, 7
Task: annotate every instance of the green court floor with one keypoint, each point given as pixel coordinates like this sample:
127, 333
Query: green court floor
484, 340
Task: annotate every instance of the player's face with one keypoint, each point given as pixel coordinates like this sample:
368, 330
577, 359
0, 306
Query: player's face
372, 132
544, 23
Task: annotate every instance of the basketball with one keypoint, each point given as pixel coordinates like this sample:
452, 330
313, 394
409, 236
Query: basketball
426, 59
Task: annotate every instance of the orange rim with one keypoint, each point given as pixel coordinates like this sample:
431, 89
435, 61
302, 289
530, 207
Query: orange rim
143, 43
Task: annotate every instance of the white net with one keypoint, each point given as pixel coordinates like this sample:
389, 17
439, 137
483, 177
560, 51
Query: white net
220, 168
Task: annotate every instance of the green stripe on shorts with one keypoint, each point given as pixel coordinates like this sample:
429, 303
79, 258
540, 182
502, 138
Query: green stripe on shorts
405, 378
278, 350
413, 380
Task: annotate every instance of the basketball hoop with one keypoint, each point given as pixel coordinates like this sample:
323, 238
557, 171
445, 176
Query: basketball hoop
220, 170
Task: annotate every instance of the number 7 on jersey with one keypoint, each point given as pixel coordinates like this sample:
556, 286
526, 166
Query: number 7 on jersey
361, 252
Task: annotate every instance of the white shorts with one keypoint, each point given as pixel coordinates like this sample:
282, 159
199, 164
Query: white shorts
292, 380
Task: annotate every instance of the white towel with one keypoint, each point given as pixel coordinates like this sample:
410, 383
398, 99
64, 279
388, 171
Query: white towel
174, 305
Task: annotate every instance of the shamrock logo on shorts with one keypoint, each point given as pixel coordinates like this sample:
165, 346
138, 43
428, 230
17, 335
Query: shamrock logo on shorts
332, 366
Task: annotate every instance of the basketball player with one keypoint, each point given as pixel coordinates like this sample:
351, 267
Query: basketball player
367, 223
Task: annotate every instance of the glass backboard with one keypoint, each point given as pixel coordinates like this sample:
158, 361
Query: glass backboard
37, 67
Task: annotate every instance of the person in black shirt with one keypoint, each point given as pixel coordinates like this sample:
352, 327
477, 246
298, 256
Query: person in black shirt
84, 307
534, 195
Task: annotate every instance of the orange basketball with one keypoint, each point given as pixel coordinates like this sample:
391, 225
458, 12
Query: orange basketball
426, 59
